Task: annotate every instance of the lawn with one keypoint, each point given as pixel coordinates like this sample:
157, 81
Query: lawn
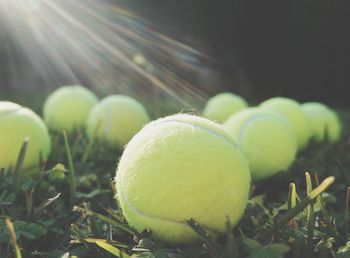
68, 209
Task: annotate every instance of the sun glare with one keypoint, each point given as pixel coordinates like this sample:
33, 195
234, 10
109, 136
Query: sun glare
100, 44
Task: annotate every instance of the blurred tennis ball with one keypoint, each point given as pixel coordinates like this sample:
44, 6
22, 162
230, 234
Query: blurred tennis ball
68, 107
16, 124
325, 123
182, 167
295, 115
265, 138
116, 119
223, 105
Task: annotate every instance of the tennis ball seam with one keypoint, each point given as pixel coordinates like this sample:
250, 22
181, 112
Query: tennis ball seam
227, 138
10, 113
131, 206
154, 218
246, 124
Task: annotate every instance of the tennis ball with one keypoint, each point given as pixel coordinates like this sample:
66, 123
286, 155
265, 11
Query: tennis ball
16, 124
295, 115
182, 167
223, 105
68, 107
116, 119
325, 122
265, 138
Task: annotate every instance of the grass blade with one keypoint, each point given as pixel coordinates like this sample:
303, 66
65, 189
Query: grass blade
299, 207
310, 219
292, 197
214, 249
19, 165
72, 181
326, 216
346, 213
13, 238
292, 201
111, 247
48, 202
105, 219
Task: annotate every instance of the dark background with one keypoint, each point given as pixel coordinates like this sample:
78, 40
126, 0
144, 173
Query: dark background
295, 48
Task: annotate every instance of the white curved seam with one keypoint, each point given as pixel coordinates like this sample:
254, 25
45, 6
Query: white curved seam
13, 112
223, 137
244, 126
144, 215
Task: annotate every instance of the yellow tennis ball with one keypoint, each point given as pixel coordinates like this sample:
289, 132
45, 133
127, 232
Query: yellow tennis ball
325, 122
265, 138
68, 107
16, 124
182, 167
116, 119
295, 115
223, 105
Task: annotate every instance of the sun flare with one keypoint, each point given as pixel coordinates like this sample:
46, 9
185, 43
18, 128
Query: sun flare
99, 44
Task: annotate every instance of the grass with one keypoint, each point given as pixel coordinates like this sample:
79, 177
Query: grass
67, 209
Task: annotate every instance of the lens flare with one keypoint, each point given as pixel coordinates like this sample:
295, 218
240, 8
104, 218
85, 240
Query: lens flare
99, 44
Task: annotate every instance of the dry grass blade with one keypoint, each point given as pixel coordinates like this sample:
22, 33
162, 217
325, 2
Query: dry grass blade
299, 207
105, 219
111, 247
310, 218
13, 238
48, 202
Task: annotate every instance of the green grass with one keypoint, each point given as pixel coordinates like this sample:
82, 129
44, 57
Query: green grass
68, 209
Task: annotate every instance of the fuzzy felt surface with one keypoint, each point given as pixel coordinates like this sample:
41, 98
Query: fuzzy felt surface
325, 123
295, 115
223, 105
182, 167
16, 124
265, 138
116, 119
68, 107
